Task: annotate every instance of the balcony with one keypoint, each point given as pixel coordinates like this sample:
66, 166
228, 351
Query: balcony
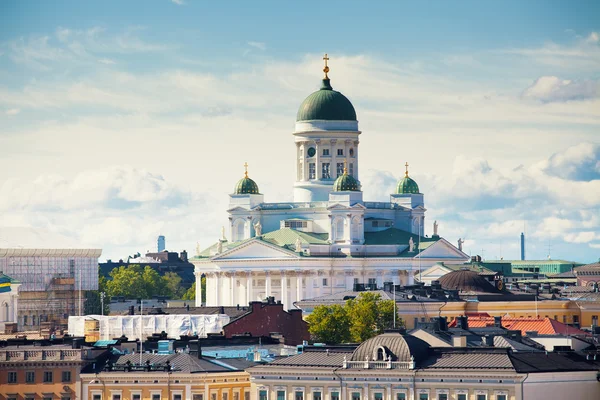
367, 364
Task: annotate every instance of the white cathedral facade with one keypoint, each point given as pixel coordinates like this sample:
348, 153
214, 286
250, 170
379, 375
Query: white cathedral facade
328, 239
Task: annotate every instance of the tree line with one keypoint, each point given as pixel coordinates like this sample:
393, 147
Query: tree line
356, 321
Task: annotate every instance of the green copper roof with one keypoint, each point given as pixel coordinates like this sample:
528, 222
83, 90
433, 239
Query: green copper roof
345, 183
326, 104
246, 186
406, 186
286, 237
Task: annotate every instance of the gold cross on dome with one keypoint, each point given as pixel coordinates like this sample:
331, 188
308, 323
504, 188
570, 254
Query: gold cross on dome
326, 68
246, 169
406, 173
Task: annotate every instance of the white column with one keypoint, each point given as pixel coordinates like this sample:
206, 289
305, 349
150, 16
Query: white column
232, 287
411, 278
333, 158
249, 288
304, 162
379, 279
310, 281
268, 284
349, 280
348, 228
198, 289
284, 290
396, 277
16, 309
217, 288
298, 285
356, 160
318, 159
298, 163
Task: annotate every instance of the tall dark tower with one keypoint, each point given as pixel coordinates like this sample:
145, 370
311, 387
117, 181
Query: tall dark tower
522, 246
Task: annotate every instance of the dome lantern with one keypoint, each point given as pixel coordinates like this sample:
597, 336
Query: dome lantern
246, 185
407, 185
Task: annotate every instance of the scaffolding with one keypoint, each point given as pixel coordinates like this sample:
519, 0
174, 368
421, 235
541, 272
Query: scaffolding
53, 283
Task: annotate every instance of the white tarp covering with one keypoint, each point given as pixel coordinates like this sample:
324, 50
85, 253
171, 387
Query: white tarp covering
129, 325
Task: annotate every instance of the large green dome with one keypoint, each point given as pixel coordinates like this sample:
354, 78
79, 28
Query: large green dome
407, 186
345, 183
326, 104
246, 186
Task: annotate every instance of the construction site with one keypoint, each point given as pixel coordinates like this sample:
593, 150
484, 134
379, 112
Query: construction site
54, 283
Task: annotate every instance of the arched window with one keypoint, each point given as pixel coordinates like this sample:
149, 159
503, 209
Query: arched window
355, 229
380, 356
338, 229
239, 229
4, 312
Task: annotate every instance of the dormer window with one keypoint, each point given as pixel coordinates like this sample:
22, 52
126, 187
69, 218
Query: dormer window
302, 225
381, 354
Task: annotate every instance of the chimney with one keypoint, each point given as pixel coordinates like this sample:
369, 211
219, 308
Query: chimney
498, 322
184, 256
489, 340
459, 341
443, 323
522, 246
199, 347
463, 322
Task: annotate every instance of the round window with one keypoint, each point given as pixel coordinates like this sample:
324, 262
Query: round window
311, 151
351, 152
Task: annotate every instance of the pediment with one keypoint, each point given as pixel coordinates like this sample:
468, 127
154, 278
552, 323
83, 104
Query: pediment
443, 249
237, 208
256, 249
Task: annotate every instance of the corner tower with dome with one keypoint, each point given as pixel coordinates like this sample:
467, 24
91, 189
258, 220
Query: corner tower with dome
328, 239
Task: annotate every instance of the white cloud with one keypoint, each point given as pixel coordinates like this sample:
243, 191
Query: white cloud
13, 111
552, 88
258, 45
593, 37
178, 2
106, 61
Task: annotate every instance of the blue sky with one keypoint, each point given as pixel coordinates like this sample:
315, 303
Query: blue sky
120, 120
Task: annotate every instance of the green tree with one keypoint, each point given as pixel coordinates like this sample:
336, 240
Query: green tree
190, 294
329, 324
364, 316
172, 284
127, 281
154, 284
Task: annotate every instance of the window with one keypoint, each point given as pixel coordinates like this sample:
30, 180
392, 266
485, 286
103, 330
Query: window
24, 319
316, 395
564, 319
262, 395
351, 169
461, 396
339, 168
29, 377
326, 170
97, 397
178, 396
325, 152
246, 395
500, 397
355, 395
325, 282
138, 396
340, 152
66, 397
423, 396
556, 317
351, 152
400, 396
372, 281
481, 397
281, 395
225, 396
594, 320
442, 396
335, 396
295, 224
66, 376
380, 357
575, 320
299, 396
311, 170
236, 396
12, 377
47, 398
116, 396
48, 377
156, 396
213, 396
378, 396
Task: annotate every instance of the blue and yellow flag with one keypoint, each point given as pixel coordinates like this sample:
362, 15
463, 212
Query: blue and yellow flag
4, 284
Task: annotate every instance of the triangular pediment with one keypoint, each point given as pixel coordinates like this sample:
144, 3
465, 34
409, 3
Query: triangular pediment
436, 270
338, 206
443, 249
237, 208
256, 249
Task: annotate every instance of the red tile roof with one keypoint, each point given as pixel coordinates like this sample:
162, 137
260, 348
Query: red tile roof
543, 326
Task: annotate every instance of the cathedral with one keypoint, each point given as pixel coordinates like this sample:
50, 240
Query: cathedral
328, 239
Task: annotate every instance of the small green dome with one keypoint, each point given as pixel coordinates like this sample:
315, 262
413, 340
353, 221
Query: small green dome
407, 186
246, 186
326, 104
345, 183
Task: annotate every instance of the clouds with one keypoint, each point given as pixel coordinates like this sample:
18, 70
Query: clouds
551, 88
579, 163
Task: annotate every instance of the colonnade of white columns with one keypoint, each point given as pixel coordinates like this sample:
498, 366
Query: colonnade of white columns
241, 287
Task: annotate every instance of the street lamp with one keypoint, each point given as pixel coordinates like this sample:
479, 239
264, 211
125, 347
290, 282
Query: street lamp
102, 296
